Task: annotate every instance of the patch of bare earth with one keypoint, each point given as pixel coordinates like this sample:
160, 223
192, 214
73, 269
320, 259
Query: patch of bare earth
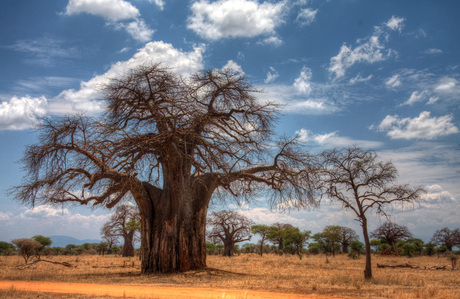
139, 291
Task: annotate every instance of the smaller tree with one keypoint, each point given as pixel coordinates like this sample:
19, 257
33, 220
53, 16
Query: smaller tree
102, 248
330, 239
249, 248
297, 239
277, 234
392, 233
124, 223
348, 235
375, 243
211, 248
45, 241
230, 227
314, 247
430, 248
447, 237
263, 231
363, 184
6, 248
58, 250
356, 249
70, 249
27, 248
110, 236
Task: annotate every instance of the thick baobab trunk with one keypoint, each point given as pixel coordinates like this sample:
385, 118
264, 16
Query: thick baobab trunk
128, 248
173, 228
368, 268
228, 248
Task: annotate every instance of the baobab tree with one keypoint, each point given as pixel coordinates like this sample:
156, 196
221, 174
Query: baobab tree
363, 184
392, 233
229, 227
348, 235
170, 143
447, 237
122, 223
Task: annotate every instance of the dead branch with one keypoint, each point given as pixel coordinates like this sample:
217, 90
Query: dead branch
27, 265
412, 267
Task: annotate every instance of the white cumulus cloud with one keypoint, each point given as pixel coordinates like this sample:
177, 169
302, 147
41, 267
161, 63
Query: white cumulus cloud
446, 85
306, 16
137, 29
302, 84
417, 96
333, 140
22, 113
272, 75
393, 81
159, 3
114, 10
235, 67
422, 127
86, 99
395, 23
234, 18
359, 79
372, 50
120, 14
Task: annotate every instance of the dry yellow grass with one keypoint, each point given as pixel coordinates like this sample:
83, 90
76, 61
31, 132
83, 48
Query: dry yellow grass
340, 276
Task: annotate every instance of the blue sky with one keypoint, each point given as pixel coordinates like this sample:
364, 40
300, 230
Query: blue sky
383, 75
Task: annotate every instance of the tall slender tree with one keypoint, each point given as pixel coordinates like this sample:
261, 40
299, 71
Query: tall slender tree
170, 143
363, 184
262, 230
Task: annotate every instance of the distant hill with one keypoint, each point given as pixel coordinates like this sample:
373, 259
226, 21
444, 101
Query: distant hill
63, 241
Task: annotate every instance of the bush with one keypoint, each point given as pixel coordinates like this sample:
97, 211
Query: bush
211, 248
314, 248
6, 248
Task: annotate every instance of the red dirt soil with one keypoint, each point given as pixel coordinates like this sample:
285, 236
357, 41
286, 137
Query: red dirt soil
143, 291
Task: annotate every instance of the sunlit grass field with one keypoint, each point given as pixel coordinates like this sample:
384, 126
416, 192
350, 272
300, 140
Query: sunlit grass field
313, 274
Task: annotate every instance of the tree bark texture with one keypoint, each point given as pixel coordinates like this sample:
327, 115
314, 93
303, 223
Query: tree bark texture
228, 248
128, 248
173, 225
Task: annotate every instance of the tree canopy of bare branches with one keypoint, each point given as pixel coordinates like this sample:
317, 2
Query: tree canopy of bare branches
230, 227
392, 233
363, 184
348, 235
170, 143
447, 237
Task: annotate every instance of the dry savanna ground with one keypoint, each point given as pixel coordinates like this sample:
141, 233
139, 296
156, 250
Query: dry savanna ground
314, 275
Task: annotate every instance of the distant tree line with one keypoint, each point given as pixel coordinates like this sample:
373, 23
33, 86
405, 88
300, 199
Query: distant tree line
230, 227
283, 238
